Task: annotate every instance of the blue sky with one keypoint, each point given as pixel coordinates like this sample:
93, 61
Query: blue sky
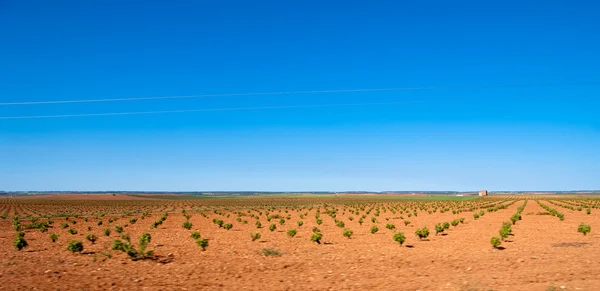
511, 138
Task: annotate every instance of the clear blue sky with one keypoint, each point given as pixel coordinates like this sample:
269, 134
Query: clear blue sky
456, 139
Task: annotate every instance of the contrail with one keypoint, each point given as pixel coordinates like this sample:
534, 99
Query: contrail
206, 110
298, 93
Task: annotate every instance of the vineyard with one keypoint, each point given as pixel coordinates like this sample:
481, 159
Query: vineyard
312, 242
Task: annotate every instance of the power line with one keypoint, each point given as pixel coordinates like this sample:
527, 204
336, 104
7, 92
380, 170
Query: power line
298, 93
207, 110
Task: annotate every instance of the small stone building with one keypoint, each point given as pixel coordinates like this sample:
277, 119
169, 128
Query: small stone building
483, 193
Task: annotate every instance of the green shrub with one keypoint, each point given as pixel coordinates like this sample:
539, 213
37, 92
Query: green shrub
583, 228
515, 217
399, 237
439, 228
16, 224
315, 229
20, 243
340, 224
374, 229
107, 232
118, 228
203, 243
422, 233
476, 216
258, 224
406, 223
495, 241
119, 245
271, 253
319, 221
53, 237
505, 230
133, 220
91, 237
75, 246
446, 225
300, 223
195, 235
282, 221
272, 227
316, 237
462, 220
228, 226
255, 236
588, 211
291, 232
390, 226
187, 225
130, 250
64, 225
41, 225
348, 233
454, 222
144, 240
72, 231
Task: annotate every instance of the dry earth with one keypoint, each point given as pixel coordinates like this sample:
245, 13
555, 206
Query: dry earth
544, 253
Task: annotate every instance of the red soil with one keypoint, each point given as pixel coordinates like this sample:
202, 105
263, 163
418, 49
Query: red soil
380, 194
544, 252
87, 197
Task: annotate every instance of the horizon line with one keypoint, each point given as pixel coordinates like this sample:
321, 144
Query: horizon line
283, 191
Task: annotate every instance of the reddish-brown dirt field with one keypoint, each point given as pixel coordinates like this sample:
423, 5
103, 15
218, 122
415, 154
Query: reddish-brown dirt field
99, 197
372, 194
543, 253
